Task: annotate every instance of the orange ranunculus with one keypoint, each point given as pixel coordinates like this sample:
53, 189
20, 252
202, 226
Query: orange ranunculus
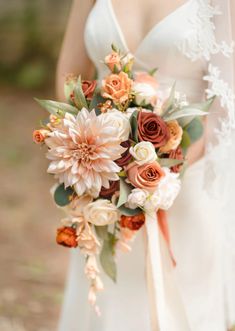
146, 176
67, 236
176, 133
117, 87
113, 61
133, 223
88, 87
39, 136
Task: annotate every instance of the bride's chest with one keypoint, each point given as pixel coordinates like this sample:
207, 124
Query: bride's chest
164, 46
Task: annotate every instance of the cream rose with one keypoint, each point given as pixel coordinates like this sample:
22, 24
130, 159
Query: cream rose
176, 133
145, 87
120, 121
143, 152
101, 212
137, 198
145, 94
166, 192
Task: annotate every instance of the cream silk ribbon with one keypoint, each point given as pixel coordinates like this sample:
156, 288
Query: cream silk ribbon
167, 310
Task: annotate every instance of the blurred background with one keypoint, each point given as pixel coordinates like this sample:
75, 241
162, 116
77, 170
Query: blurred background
33, 267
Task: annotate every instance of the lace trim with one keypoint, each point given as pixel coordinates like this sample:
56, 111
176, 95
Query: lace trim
221, 89
201, 42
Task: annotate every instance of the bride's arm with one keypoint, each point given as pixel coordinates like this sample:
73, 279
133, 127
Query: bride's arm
73, 57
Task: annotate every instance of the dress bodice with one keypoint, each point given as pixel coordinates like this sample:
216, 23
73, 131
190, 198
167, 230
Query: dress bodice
161, 48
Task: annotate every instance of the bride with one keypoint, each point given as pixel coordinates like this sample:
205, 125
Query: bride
190, 42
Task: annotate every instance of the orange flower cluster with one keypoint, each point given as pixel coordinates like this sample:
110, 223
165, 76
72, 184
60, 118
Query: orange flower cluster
67, 237
133, 223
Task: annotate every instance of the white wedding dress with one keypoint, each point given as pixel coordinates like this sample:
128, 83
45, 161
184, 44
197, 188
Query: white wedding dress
195, 220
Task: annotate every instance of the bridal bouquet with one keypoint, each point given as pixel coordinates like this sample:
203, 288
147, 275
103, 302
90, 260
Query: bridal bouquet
117, 150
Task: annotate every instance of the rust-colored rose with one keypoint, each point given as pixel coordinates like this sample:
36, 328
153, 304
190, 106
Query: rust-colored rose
133, 223
177, 154
146, 176
152, 128
88, 87
107, 193
67, 236
117, 87
39, 136
176, 133
126, 156
113, 61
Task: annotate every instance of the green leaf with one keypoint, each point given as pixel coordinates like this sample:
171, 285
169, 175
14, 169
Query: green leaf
164, 162
79, 98
125, 190
107, 257
195, 129
129, 212
134, 126
95, 101
62, 196
168, 104
114, 48
102, 231
186, 141
69, 88
153, 71
188, 111
57, 108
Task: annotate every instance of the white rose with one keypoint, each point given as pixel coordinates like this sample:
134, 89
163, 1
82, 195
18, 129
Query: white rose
145, 94
168, 189
153, 202
118, 120
143, 152
101, 212
137, 198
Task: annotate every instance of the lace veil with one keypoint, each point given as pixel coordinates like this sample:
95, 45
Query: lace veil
215, 31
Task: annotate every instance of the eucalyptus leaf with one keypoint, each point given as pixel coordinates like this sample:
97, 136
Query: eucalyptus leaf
95, 101
164, 162
62, 196
125, 190
195, 129
168, 104
129, 212
134, 126
79, 98
102, 232
188, 111
153, 71
107, 257
69, 88
57, 108
186, 141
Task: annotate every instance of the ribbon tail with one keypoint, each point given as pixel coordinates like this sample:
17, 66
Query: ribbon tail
167, 310
163, 225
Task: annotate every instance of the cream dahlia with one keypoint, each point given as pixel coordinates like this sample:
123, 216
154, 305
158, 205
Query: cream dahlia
82, 151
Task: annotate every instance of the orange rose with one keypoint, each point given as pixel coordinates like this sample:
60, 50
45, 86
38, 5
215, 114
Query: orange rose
88, 87
113, 61
145, 176
39, 136
67, 236
177, 154
133, 223
176, 133
117, 87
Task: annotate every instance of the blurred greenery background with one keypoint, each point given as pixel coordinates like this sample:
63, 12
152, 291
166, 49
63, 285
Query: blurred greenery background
32, 266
